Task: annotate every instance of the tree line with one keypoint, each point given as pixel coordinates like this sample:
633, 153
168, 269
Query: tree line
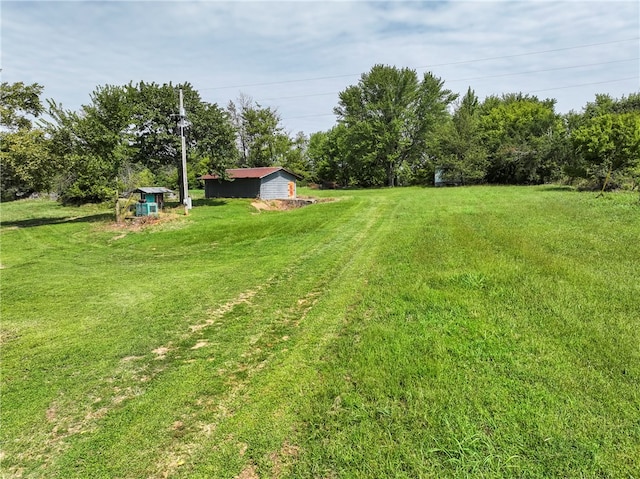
393, 128
128, 136
396, 128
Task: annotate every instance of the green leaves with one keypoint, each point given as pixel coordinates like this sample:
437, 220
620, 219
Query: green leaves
609, 143
25, 164
260, 137
17, 103
388, 117
215, 139
515, 130
24, 160
393, 127
461, 153
132, 128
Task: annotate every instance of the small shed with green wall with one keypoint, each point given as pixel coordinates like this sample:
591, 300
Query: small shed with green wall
151, 199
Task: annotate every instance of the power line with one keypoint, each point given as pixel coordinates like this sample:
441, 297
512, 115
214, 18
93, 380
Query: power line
455, 80
308, 116
546, 70
281, 82
300, 96
474, 78
577, 85
585, 84
534, 53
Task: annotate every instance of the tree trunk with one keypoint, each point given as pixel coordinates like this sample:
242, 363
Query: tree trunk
391, 176
606, 181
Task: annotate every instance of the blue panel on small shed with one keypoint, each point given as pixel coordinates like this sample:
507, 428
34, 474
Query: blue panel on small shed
147, 209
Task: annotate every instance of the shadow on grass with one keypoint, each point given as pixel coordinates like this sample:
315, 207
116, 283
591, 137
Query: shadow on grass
57, 220
558, 188
198, 202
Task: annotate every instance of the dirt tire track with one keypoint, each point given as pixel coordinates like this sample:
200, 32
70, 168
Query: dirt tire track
293, 316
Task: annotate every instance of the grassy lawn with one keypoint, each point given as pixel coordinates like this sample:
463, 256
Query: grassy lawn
417, 333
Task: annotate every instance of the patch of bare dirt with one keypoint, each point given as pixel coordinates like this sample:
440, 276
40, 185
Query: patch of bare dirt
176, 426
217, 313
140, 223
161, 352
121, 395
207, 429
262, 205
171, 464
249, 472
6, 336
200, 344
282, 205
242, 448
130, 358
51, 413
281, 460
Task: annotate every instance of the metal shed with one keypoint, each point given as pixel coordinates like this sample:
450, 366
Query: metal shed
266, 183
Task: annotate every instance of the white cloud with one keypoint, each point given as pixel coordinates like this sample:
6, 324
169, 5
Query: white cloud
72, 47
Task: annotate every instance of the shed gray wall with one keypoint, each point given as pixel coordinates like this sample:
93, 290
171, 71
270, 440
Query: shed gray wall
276, 186
240, 188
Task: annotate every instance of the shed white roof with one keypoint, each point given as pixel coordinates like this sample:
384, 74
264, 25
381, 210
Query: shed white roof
152, 190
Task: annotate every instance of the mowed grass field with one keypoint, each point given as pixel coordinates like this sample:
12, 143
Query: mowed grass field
401, 333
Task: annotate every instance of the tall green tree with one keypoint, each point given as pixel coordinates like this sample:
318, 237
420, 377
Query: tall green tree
591, 138
155, 123
263, 129
605, 104
260, 137
518, 131
154, 120
235, 112
461, 152
327, 157
214, 139
296, 156
209, 137
93, 144
132, 130
609, 145
26, 165
388, 117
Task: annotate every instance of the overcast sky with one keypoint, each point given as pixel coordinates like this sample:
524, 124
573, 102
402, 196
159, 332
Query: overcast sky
297, 56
